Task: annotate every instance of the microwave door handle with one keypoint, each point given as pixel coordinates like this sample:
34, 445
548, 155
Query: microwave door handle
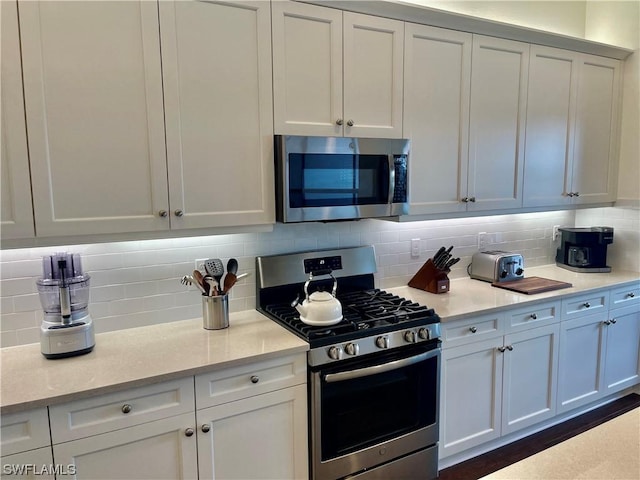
375, 369
392, 179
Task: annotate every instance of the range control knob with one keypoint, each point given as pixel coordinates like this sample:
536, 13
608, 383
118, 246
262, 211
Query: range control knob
503, 274
351, 348
382, 342
410, 336
335, 353
423, 333
519, 271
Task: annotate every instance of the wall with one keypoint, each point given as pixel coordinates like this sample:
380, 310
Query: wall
138, 283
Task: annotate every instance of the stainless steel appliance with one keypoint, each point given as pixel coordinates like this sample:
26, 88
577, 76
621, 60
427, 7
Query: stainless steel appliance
584, 249
496, 266
373, 377
67, 327
336, 178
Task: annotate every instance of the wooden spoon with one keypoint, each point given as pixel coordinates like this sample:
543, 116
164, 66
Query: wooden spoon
199, 278
230, 280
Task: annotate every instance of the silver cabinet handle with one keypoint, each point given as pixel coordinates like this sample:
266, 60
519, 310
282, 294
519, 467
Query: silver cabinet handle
255, 379
350, 123
587, 305
178, 213
534, 316
464, 199
205, 428
126, 408
472, 199
189, 432
162, 213
339, 121
631, 295
501, 349
607, 322
510, 348
614, 321
473, 329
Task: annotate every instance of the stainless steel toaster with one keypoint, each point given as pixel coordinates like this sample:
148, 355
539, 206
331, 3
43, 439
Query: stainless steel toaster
496, 266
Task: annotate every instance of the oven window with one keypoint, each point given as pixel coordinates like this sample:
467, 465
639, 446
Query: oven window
325, 180
362, 412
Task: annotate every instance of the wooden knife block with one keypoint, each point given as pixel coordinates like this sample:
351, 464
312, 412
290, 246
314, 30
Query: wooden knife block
431, 279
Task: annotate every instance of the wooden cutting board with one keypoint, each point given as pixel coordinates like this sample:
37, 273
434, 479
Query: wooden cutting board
532, 285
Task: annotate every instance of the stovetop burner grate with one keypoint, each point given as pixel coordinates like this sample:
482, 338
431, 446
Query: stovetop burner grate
365, 312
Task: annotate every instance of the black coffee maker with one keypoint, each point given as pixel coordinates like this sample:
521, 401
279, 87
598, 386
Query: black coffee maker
584, 249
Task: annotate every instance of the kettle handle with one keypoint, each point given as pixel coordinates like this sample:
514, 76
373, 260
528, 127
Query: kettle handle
320, 273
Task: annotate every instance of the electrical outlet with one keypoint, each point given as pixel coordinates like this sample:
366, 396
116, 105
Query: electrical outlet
483, 240
415, 247
199, 264
556, 233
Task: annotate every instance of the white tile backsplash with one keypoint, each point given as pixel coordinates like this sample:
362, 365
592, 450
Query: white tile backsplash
138, 283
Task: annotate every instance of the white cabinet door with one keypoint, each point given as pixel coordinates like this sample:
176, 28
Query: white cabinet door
497, 119
580, 367
553, 82
529, 379
16, 207
156, 450
32, 465
335, 73
595, 170
622, 356
94, 111
260, 437
470, 401
437, 73
216, 63
373, 72
307, 69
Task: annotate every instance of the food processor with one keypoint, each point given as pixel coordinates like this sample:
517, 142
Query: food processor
67, 328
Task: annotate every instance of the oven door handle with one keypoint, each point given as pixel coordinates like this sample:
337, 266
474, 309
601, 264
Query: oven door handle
375, 369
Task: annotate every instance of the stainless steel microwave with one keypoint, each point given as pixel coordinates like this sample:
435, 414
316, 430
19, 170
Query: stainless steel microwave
339, 178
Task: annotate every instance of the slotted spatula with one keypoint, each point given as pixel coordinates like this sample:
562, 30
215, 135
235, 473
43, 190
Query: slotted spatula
215, 268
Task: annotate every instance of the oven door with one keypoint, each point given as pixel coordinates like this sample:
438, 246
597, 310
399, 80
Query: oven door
372, 411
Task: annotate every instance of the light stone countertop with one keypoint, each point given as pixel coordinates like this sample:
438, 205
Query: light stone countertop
139, 356
468, 296
145, 355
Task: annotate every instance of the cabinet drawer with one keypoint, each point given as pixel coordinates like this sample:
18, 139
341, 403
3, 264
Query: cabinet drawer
460, 332
536, 315
623, 296
247, 380
24, 431
91, 416
584, 305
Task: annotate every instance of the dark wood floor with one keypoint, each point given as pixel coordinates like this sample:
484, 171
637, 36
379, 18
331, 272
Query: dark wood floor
495, 460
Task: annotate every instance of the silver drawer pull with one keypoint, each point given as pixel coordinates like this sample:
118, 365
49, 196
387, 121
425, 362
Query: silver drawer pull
205, 428
534, 316
255, 379
614, 321
189, 432
126, 408
586, 304
502, 349
473, 329
631, 295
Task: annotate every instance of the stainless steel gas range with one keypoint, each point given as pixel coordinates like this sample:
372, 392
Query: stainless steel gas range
373, 377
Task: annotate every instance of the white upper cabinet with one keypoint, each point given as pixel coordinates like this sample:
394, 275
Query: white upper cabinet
335, 73
436, 117
595, 157
17, 210
216, 64
571, 134
553, 81
497, 119
93, 97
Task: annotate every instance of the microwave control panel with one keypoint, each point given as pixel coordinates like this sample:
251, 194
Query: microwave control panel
400, 188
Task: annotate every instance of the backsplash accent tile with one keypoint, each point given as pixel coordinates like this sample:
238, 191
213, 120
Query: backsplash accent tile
138, 283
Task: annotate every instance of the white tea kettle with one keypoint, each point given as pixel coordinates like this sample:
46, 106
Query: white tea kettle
320, 308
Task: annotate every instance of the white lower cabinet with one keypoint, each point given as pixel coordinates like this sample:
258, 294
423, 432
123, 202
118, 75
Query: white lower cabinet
622, 357
252, 421
258, 437
26, 445
156, 450
497, 386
